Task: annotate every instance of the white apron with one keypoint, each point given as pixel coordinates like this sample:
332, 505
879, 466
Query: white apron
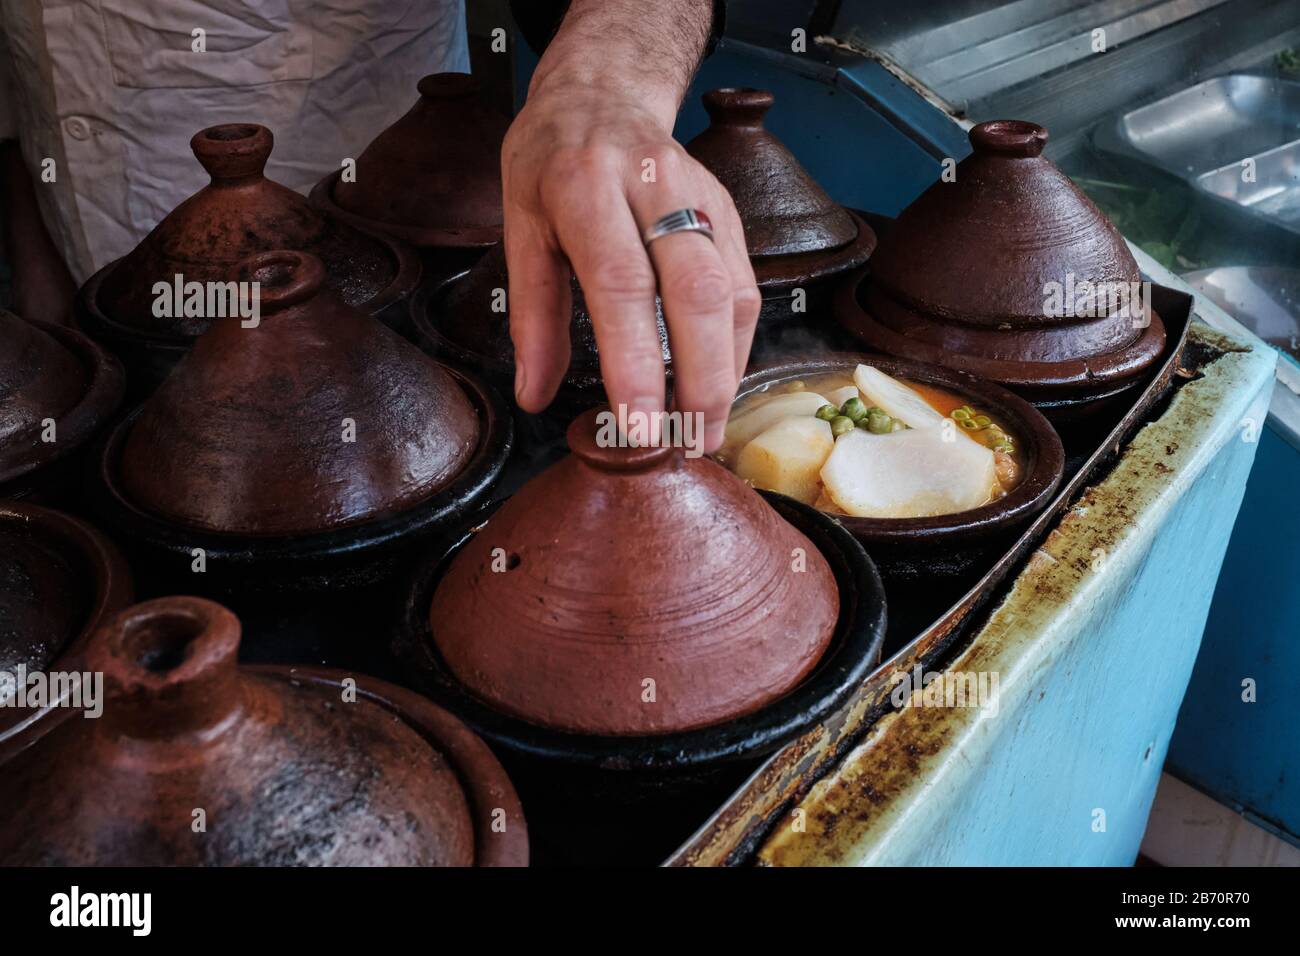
112, 91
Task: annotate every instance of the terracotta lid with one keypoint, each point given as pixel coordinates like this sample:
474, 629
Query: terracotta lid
967, 275
59, 579
471, 316
318, 417
56, 388
433, 178
790, 223
284, 771
631, 591
239, 213
982, 248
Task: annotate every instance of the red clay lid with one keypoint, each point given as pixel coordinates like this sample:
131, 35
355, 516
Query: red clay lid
318, 417
239, 213
1011, 273
630, 591
56, 387
433, 178
59, 579
198, 761
783, 210
984, 248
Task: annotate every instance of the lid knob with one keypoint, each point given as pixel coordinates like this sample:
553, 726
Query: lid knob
737, 106
169, 666
284, 277
1009, 137
233, 151
595, 436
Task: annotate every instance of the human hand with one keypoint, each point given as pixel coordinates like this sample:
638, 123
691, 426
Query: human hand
587, 167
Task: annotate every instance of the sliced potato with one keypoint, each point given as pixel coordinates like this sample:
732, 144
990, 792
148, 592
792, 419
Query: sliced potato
895, 399
788, 457
842, 395
908, 474
749, 424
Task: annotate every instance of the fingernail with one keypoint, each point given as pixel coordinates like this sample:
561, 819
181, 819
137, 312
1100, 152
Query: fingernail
645, 409
521, 379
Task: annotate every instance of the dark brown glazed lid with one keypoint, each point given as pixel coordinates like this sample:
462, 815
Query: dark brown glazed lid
59, 579
963, 277
318, 417
469, 315
433, 178
792, 228
49, 372
624, 573
285, 770
239, 213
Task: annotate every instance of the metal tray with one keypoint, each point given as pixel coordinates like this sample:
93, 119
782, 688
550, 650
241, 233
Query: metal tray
1205, 133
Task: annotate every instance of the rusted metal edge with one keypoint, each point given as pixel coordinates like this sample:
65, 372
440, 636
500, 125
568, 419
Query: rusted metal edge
734, 832
850, 814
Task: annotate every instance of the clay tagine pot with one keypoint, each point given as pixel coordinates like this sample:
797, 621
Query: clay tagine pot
634, 609
797, 235
433, 178
57, 387
928, 550
319, 432
965, 276
239, 213
294, 768
59, 580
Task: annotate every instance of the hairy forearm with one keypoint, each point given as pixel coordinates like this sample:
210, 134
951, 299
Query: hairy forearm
645, 51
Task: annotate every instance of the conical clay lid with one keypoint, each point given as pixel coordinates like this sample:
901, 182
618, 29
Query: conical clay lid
985, 248
196, 761
630, 591
59, 578
56, 388
783, 210
239, 213
433, 178
318, 417
39, 379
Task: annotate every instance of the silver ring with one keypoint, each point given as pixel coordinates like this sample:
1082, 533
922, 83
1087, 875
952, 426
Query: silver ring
681, 220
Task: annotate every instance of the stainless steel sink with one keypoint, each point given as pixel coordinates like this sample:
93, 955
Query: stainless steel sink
1235, 137
1273, 190
1265, 300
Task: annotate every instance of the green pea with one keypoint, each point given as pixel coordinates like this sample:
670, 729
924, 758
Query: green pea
828, 412
855, 408
878, 423
842, 425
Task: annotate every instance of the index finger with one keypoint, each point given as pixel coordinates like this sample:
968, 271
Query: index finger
595, 228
